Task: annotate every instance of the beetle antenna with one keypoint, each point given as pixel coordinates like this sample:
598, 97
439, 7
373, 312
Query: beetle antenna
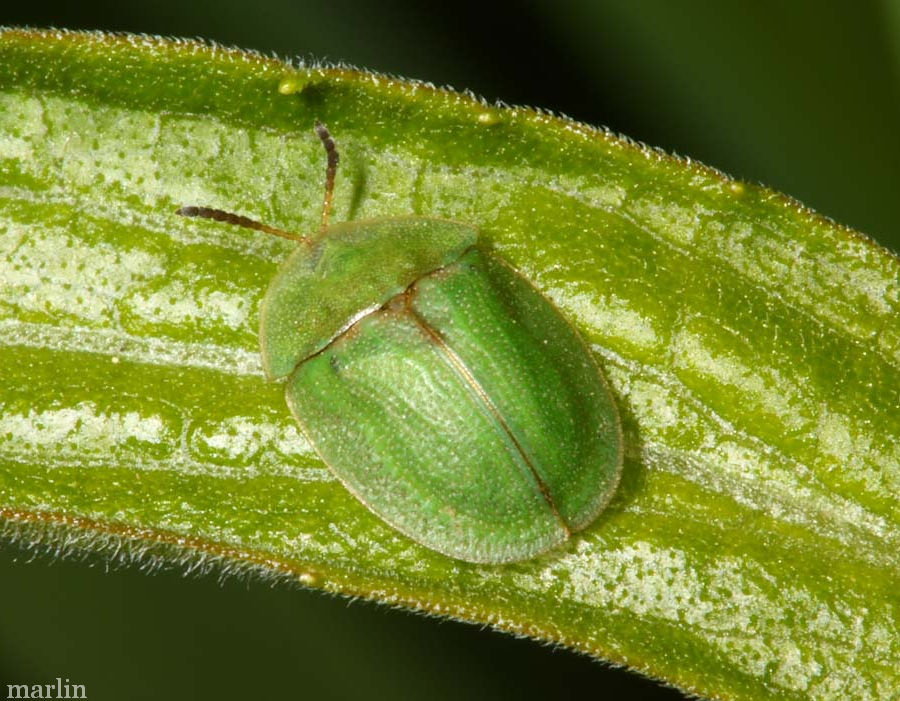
331, 171
237, 220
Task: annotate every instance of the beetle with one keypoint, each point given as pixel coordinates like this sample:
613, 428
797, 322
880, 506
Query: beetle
442, 388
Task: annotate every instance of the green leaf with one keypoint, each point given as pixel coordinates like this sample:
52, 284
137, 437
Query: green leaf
754, 348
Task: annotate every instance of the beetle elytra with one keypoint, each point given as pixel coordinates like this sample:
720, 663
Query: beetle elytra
444, 390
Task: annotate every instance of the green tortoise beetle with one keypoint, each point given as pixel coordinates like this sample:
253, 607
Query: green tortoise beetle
446, 393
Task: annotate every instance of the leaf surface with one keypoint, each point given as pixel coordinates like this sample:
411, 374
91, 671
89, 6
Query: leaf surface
753, 346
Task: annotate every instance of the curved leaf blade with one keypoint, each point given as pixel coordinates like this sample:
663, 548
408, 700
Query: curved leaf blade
754, 348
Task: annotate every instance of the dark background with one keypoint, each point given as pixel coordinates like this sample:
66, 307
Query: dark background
801, 96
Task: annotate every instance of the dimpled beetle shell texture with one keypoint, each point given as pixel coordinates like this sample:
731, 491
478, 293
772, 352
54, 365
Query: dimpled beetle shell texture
445, 392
